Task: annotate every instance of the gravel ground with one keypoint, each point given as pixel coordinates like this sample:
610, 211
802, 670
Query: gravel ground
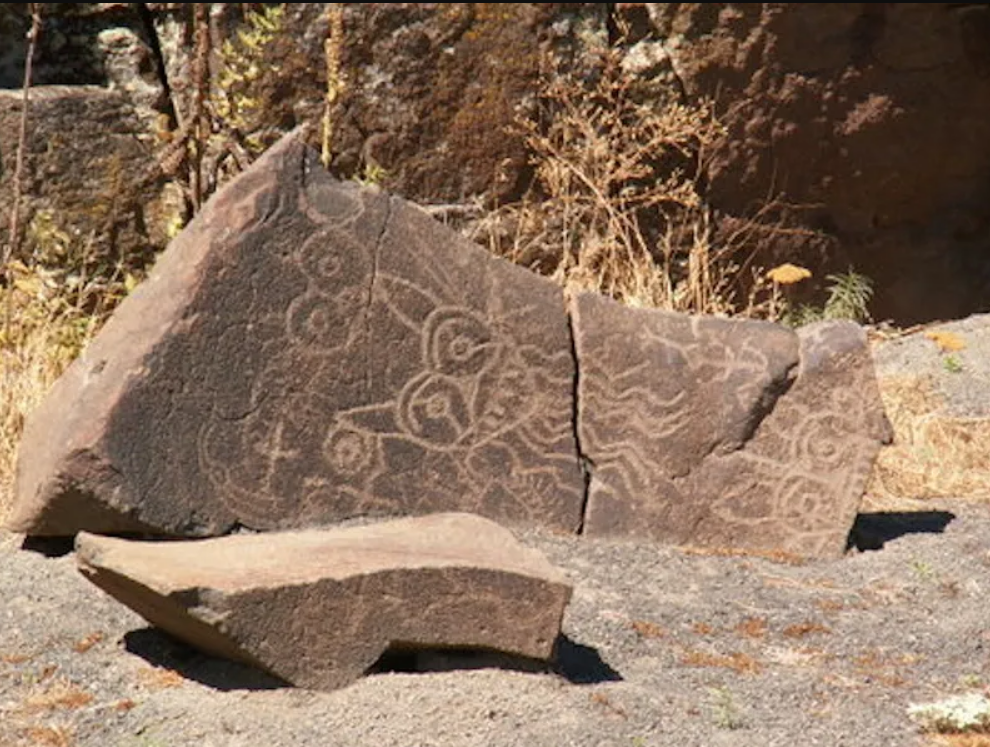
661, 646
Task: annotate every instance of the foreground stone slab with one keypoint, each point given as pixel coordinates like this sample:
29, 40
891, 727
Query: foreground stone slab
722, 432
319, 607
304, 352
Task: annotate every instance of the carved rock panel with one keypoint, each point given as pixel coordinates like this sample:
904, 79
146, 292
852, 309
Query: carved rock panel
724, 432
309, 351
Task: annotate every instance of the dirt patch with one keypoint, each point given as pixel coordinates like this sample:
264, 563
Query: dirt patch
662, 646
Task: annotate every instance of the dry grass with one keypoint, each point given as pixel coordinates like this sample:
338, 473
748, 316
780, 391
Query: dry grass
156, 678
32, 356
616, 205
736, 661
85, 644
647, 629
933, 455
50, 736
752, 627
959, 740
59, 694
800, 630
776, 556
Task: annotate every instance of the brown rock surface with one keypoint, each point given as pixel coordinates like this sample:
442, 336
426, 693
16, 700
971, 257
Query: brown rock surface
872, 124
724, 432
318, 608
308, 351
90, 186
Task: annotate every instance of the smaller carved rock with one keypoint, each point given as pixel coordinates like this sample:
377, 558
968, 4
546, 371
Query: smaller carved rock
317, 608
724, 432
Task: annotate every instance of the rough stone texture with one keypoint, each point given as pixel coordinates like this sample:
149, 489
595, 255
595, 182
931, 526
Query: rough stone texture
318, 608
80, 44
308, 351
724, 432
89, 185
871, 121
868, 123
429, 93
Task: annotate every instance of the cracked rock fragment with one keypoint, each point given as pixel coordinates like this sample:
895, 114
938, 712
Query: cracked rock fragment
726, 433
317, 608
304, 352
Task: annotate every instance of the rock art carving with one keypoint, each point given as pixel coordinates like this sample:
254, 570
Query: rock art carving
309, 351
319, 607
724, 432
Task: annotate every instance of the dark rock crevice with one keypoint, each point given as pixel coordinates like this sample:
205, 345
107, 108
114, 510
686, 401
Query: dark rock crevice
585, 462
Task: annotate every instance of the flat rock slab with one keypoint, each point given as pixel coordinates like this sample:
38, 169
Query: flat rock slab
720, 432
317, 608
307, 351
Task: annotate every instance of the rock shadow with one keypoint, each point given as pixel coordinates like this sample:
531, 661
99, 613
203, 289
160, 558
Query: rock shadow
582, 665
871, 531
161, 650
50, 547
577, 663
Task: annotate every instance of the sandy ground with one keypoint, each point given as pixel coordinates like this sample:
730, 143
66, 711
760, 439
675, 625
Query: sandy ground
661, 646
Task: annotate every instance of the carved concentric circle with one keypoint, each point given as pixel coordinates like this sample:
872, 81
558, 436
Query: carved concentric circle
458, 343
350, 452
333, 260
432, 408
820, 440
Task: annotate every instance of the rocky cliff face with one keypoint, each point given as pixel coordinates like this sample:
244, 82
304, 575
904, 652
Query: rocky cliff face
856, 135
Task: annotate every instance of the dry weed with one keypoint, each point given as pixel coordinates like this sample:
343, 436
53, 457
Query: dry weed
959, 740
33, 354
736, 661
616, 206
776, 556
752, 627
85, 644
647, 629
800, 630
59, 694
50, 736
933, 455
156, 678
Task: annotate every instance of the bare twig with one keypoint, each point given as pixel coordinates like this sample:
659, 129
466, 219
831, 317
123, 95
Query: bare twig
13, 237
201, 90
332, 49
13, 234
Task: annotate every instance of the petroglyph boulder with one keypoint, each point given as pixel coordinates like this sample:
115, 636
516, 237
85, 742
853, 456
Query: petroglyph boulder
319, 607
724, 432
304, 352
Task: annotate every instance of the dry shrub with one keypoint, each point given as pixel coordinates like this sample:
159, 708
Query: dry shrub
933, 455
44, 323
615, 205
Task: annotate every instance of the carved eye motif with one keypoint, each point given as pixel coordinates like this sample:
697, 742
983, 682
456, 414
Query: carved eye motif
334, 260
458, 343
432, 408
